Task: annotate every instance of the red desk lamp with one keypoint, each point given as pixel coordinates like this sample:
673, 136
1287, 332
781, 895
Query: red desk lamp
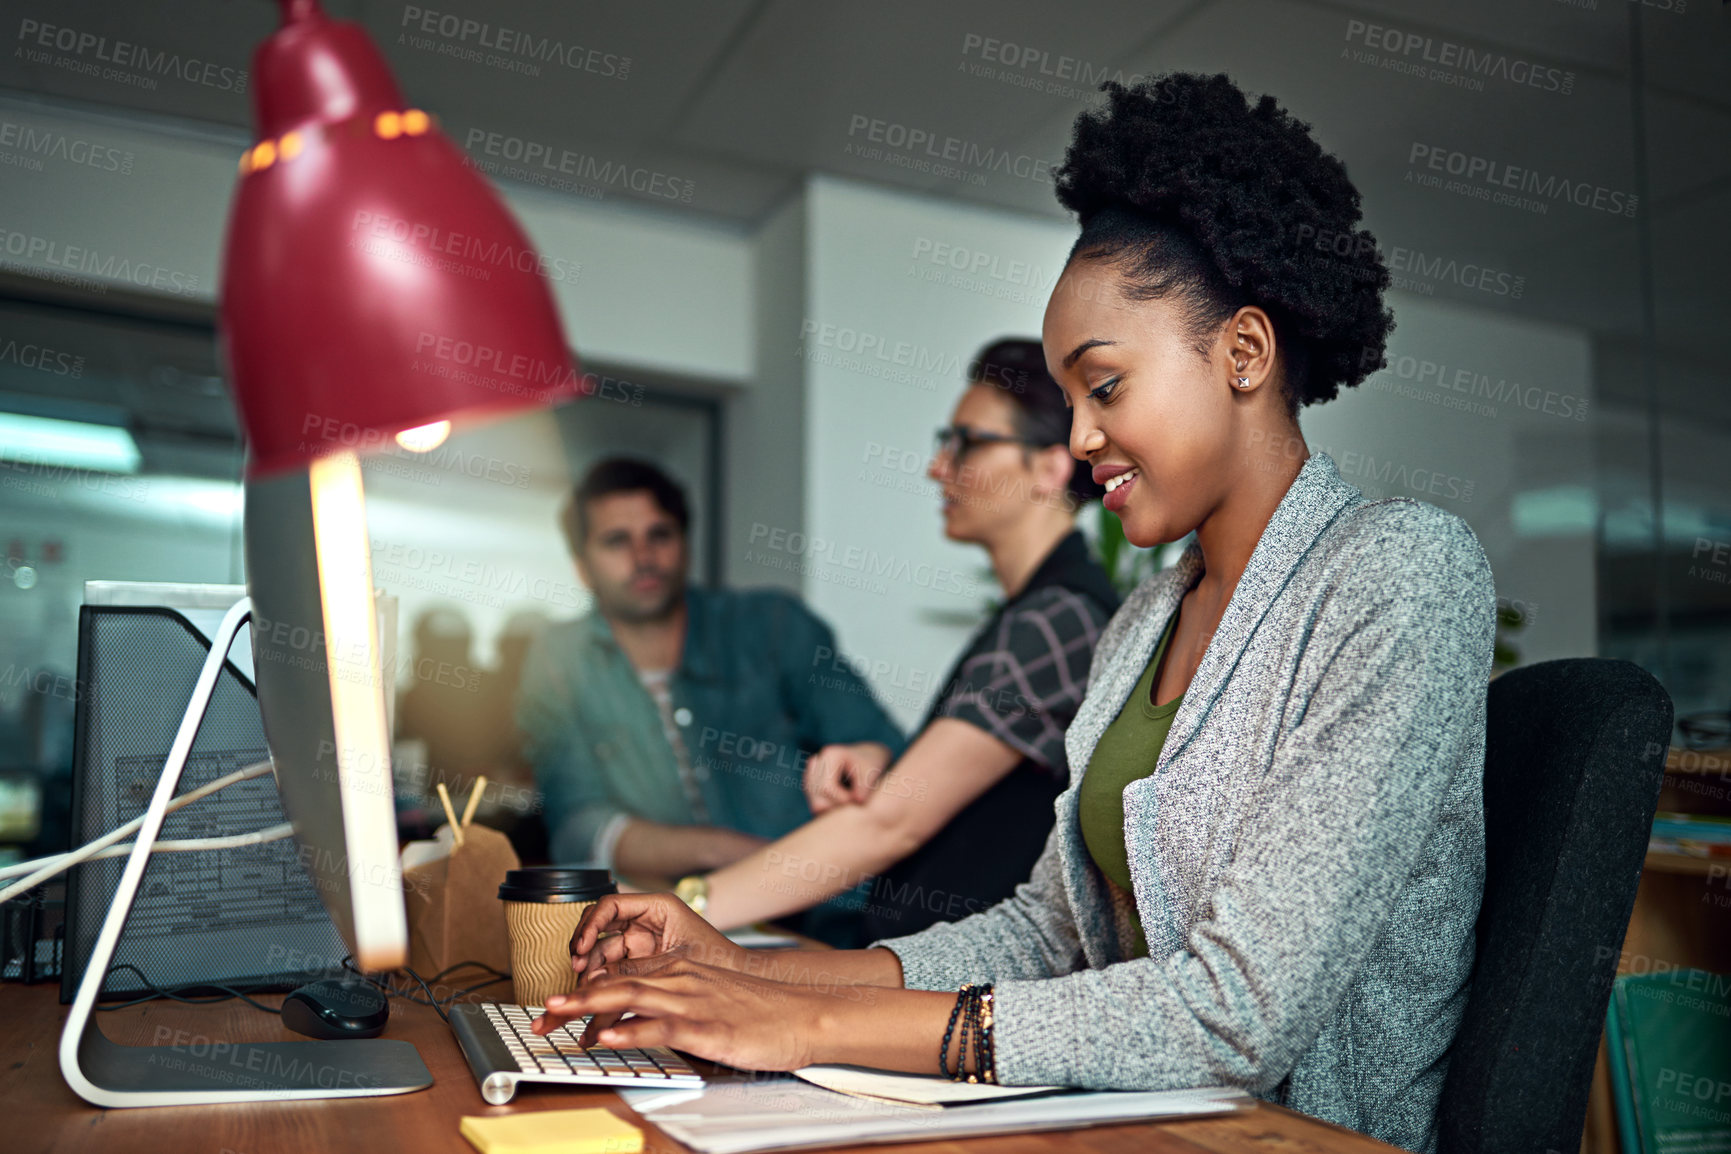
373, 283
375, 289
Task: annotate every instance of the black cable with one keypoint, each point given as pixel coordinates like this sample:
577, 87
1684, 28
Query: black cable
444, 973
174, 994
437, 1003
431, 1000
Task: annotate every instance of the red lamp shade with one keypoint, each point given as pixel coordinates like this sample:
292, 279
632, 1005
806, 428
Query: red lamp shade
373, 283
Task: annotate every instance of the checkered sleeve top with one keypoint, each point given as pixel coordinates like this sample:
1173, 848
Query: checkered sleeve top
1027, 672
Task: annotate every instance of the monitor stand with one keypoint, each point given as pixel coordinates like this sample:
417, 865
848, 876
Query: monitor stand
195, 1069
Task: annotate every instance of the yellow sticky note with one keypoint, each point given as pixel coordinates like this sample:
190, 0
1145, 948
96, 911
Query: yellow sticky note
553, 1132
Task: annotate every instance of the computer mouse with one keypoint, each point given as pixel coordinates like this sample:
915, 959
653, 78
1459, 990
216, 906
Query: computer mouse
333, 1009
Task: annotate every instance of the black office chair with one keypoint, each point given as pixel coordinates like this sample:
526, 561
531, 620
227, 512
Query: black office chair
1574, 755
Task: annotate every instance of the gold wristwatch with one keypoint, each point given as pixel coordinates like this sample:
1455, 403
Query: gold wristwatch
694, 892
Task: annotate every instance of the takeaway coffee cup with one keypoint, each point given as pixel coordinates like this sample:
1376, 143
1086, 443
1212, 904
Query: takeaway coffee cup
542, 909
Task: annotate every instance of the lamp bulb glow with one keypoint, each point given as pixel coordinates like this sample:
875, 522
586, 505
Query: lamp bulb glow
424, 438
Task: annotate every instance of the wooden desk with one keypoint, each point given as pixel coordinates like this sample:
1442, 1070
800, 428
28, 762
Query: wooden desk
39, 1114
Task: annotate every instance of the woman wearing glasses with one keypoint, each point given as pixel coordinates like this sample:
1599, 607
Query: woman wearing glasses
988, 761
1268, 865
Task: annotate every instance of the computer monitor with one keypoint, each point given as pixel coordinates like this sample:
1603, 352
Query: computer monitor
321, 689
322, 696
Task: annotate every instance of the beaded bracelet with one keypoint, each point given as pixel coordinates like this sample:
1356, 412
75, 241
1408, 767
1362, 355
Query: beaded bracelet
974, 1008
986, 1059
968, 1027
944, 1049
972, 1017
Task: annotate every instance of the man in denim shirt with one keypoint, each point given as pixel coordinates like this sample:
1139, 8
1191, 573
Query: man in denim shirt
670, 727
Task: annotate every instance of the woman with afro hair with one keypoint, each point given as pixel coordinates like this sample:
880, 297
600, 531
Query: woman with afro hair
1267, 866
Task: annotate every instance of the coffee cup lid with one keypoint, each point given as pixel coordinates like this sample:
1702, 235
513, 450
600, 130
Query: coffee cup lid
556, 884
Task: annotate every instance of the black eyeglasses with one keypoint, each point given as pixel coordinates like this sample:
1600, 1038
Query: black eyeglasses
959, 440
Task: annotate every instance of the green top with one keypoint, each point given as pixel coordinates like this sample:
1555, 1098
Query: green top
1126, 752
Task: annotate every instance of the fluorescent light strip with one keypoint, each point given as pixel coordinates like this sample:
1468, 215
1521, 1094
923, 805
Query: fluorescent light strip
70, 444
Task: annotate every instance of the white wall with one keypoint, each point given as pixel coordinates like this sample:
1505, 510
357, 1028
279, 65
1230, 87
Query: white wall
656, 289
885, 353
766, 424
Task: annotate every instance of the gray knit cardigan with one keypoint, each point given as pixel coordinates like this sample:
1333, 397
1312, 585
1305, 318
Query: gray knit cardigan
1307, 857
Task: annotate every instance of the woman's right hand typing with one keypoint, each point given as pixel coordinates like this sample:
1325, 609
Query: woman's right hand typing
633, 926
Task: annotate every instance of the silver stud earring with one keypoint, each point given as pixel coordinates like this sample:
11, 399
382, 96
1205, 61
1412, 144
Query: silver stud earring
1244, 382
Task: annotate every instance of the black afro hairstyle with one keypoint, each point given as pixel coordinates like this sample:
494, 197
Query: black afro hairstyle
1195, 194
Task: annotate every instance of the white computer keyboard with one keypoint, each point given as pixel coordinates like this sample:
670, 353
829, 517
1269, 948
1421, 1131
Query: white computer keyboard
502, 1052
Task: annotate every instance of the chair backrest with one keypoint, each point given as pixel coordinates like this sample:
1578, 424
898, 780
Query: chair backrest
1574, 756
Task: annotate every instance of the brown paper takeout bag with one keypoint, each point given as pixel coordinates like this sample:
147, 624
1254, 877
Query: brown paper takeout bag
455, 914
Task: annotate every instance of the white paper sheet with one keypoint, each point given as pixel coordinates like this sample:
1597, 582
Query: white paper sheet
911, 1089
752, 938
780, 1112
